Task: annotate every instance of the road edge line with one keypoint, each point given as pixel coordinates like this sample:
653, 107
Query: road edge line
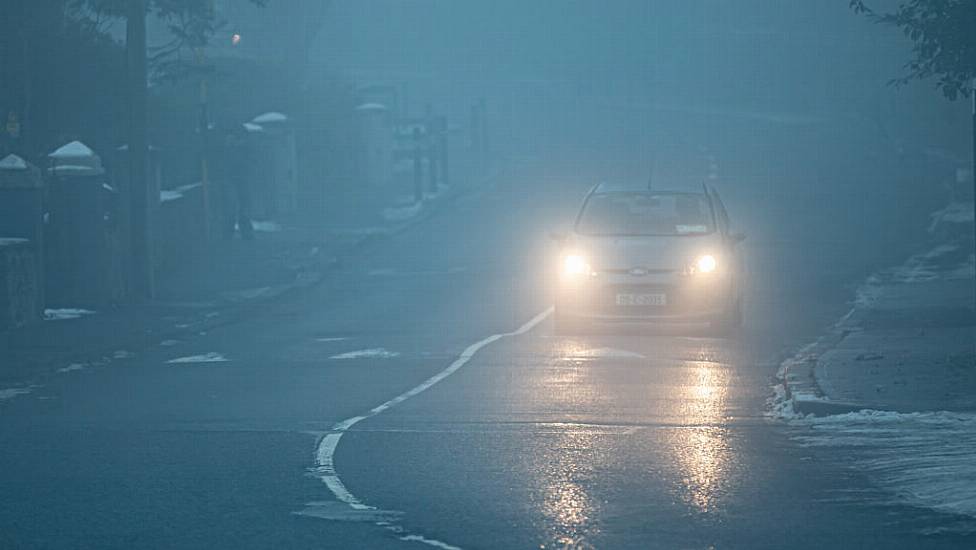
326, 446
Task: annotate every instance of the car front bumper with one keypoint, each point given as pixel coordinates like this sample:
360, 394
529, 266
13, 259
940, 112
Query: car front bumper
686, 299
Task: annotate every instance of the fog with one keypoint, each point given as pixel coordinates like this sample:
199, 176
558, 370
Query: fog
482, 274
569, 70
790, 99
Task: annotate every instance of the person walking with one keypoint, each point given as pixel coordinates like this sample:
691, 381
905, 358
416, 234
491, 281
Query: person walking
238, 172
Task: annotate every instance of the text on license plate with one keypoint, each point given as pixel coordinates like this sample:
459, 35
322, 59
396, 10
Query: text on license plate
642, 300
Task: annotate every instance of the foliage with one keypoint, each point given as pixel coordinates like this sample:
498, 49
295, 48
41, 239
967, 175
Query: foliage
61, 75
943, 33
191, 23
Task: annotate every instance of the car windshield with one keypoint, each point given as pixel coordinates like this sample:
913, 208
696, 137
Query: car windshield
645, 214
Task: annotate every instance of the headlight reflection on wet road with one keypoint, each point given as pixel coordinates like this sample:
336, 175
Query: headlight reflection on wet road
677, 409
701, 447
569, 462
570, 509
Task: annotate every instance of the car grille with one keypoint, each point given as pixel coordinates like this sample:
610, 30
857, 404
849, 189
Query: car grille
644, 271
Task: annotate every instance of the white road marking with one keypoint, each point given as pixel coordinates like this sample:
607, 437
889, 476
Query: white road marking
429, 542
372, 353
211, 357
325, 452
11, 393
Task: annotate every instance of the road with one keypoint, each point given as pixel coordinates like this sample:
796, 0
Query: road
646, 439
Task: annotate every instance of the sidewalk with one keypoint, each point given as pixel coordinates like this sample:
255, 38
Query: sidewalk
890, 390
908, 343
209, 290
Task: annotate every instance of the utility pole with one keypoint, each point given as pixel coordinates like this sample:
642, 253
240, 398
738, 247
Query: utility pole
204, 129
483, 133
418, 168
443, 146
141, 284
432, 154
475, 137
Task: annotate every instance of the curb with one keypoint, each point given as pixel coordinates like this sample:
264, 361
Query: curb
797, 375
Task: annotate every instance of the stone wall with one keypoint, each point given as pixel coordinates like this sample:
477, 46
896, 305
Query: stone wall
20, 289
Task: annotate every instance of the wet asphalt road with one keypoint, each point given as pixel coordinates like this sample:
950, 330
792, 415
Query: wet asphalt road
649, 439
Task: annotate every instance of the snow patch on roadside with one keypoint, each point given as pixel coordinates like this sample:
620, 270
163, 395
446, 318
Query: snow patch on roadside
919, 267
11, 393
65, 313
402, 213
266, 226
246, 294
170, 195
779, 406
957, 212
921, 459
372, 353
924, 459
212, 357
73, 367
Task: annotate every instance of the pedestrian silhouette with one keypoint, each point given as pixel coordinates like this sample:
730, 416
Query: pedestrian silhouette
238, 172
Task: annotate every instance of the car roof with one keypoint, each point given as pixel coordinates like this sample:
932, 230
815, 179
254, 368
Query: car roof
609, 188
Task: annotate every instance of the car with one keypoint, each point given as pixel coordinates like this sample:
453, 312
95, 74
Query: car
641, 255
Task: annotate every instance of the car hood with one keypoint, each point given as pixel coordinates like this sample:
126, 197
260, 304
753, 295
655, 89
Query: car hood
669, 253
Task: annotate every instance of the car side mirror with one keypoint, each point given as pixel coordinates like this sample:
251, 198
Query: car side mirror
558, 236
737, 238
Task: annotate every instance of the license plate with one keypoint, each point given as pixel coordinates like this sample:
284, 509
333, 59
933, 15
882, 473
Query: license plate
642, 300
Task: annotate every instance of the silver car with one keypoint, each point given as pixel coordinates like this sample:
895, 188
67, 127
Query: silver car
643, 255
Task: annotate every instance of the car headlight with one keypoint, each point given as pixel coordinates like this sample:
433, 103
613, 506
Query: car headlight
706, 264
702, 265
575, 265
